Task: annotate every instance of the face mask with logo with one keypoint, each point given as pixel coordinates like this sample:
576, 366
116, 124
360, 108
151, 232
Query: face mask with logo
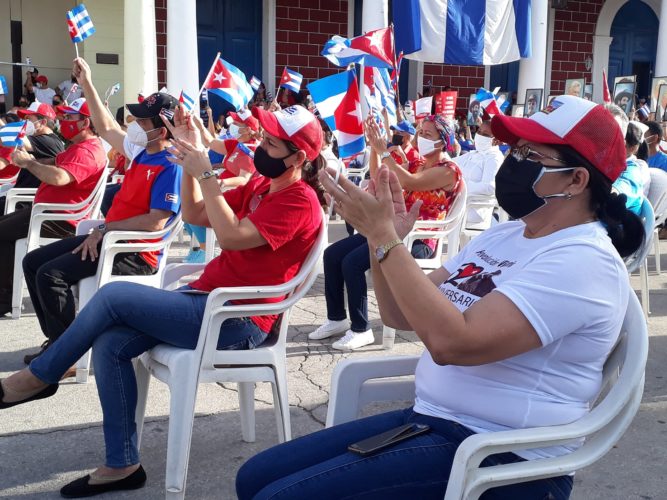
426, 146
69, 129
138, 136
483, 143
29, 128
515, 186
269, 166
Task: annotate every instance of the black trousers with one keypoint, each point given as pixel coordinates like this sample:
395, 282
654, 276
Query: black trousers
13, 227
52, 270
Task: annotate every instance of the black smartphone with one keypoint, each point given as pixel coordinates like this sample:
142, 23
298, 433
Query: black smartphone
397, 139
203, 104
388, 438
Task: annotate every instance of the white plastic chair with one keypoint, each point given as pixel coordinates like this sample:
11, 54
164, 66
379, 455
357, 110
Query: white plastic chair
482, 203
639, 260
657, 195
9, 180
42, 212
114, 243
17, 195
356, 382
182, 369
450, 228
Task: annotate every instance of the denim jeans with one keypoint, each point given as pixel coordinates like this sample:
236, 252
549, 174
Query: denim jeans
121, 321
320, 466
345, 265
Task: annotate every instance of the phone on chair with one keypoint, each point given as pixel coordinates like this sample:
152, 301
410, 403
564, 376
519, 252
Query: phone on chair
376, 443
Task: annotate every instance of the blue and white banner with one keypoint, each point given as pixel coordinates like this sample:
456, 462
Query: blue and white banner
3, 86
12, 134
466, 32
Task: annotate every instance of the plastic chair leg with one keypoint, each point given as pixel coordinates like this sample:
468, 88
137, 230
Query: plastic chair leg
643, 276
281, 403
388, 337
656, 250
247, 410
20, 250
83, 368
181, 419
143, 377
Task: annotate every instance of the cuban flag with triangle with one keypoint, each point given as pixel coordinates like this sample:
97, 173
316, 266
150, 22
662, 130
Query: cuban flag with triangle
375, 48
228, 82
487, 101
12, 134
79, 24
337, 100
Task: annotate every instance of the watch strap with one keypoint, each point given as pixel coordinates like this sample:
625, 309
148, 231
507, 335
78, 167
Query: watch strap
387, 247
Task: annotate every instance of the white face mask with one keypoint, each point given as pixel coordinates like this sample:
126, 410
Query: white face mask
426, 146
234, 131
138, 136
483, 143
29, 128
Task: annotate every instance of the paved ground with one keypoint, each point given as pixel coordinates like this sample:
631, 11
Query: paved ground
48, 443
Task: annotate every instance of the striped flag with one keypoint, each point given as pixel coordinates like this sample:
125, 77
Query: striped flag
606, 96
291, 80
255, 83
228, 82
12, 134
3, 86
186, 101
487, 101
79, 24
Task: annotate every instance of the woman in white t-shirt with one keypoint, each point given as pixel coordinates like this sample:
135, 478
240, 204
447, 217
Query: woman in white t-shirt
516, 327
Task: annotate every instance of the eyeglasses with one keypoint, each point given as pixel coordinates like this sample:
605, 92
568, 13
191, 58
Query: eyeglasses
525, 152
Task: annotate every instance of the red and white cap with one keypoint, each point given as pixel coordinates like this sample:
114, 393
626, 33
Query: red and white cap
38, 108
245, 116
79, 106
586, 127
295, 124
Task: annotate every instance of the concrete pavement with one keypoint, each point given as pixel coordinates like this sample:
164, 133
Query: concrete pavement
48, 443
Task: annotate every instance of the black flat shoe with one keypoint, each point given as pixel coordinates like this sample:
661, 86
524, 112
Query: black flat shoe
80, 488
47, 392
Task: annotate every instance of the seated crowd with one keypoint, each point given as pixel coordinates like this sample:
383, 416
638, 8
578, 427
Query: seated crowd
507, 342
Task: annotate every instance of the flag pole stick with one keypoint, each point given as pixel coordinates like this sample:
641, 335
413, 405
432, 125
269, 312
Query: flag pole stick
364, 105
76, 49
217, 56
399, 108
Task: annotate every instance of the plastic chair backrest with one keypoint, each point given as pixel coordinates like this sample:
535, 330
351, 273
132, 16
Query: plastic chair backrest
634, 261
657, 194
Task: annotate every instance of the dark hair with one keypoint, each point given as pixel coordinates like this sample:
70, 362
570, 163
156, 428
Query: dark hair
310, 173
623, 226
10, 118
158, 123
634, 135
654, 128
642, 152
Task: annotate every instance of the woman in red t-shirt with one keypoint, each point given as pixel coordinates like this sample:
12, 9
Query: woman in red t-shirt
266, 228
432, 179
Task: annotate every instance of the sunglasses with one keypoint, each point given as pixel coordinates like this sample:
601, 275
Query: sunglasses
522, 153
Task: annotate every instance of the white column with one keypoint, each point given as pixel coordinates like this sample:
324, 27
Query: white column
374, 15
140, 48
532, 70
182, 57
600, 62
661, 56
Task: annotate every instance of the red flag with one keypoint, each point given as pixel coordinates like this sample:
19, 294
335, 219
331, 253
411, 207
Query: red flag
377, 43
606, 96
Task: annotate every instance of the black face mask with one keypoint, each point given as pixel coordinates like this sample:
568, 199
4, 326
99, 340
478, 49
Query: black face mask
269, 166
515, 186
397, 139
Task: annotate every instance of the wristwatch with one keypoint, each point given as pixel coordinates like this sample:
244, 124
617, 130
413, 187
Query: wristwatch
102, 228
382, 251
206, 174
384, 155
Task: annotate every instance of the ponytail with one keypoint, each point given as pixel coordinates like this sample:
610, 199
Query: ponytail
624, 227
310, 175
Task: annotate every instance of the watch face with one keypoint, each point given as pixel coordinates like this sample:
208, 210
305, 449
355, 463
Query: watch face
379, 253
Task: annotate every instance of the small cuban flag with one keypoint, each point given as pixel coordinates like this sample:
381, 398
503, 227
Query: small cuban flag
228, 82
487, 101
255, 83
79, 24
291, 80
186, 101
12, 134
3, 86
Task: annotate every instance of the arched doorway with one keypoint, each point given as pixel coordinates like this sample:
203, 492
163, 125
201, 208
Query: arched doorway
634, 34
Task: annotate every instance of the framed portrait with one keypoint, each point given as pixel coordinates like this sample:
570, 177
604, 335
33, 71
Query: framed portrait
551, 98
575, 87
475, 110
533, 101
624, 96
588, 91
661, 109
517, 110
655, 89
625, 79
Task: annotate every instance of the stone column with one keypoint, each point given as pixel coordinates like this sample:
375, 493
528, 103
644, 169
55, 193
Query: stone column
661, 56
600, 62
140, 48
182, 56
532, 70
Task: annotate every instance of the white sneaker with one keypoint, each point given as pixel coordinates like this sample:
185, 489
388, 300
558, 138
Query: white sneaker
354, 340
328, 329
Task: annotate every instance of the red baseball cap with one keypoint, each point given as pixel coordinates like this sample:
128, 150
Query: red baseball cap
79, 106
294, 124
586, 127
38, 108
42, 79
245, 116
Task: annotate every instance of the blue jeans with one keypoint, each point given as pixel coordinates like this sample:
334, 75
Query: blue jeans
320, 466
121, 321
345, 265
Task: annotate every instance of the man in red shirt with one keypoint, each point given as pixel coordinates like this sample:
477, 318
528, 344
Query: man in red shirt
68, 178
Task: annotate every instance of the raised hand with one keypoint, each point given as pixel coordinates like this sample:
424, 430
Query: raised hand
81, 70
184, 127
193, 159
375, 139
